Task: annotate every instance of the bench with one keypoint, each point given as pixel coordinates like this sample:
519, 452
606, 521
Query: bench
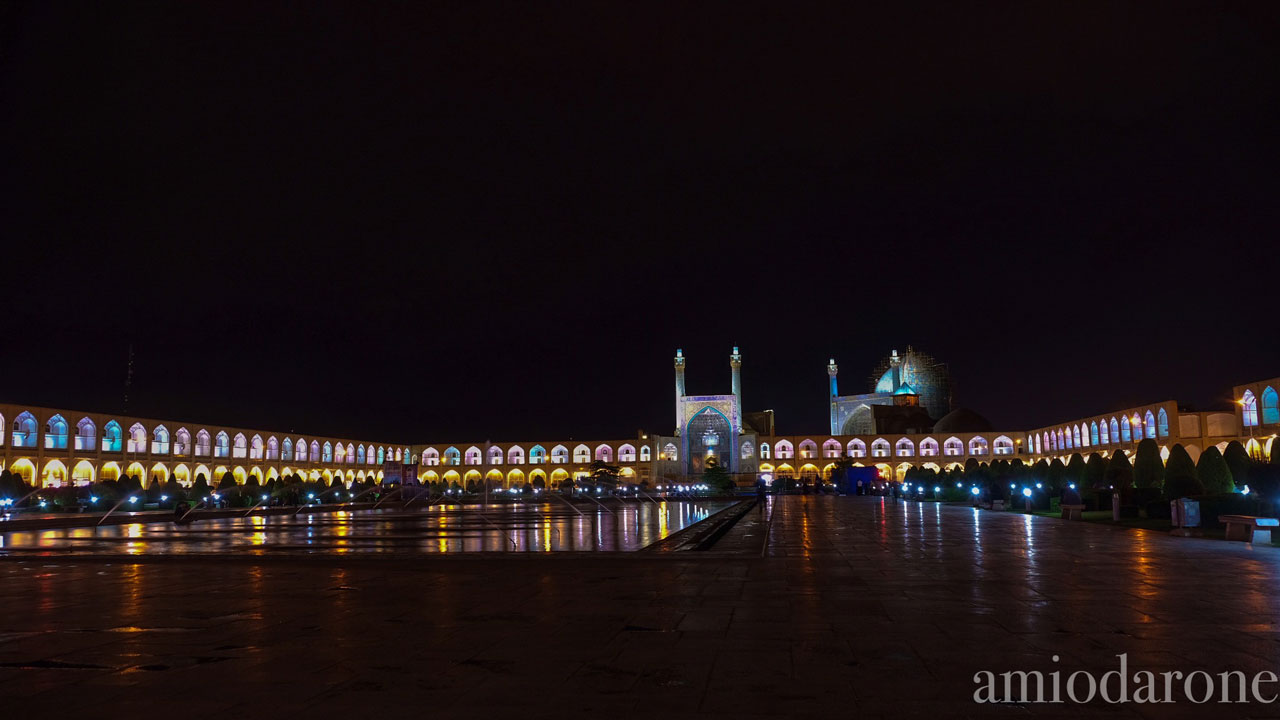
1249, 528
1071, 512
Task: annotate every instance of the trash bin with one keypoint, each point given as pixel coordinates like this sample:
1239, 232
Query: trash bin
1186, 512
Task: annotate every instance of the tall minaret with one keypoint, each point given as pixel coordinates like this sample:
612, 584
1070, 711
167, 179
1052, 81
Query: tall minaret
735, 364
679, 388
832, 369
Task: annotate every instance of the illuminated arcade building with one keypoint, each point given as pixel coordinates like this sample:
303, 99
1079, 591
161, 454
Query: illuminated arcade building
891, 429
45, 447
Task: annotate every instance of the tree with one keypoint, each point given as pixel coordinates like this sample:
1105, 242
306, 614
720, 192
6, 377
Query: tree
1180, 476
602, 473
1095, 471
1214, 474
1119, 473
719, 479
1240, 463
228, 481
1148, 471
1054, 478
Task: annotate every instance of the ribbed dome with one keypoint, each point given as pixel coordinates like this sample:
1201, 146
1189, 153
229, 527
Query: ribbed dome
962, 420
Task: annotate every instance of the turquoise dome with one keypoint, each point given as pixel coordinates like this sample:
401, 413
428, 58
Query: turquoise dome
905, 389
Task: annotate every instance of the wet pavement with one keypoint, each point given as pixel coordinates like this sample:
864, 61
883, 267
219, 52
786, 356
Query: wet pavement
859, 607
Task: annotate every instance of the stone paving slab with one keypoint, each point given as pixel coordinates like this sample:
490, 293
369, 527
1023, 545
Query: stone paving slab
860, 607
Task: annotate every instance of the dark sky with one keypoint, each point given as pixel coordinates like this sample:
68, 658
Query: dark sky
462, 221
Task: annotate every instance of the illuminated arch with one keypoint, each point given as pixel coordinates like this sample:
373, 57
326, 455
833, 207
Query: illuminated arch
1270, 408
452, 477
182, 442
515, 478
221, 445
1125, 436
932, 466
644, 453
558, 476
339, 453
159, 473
809, 471
430, 476
1248, 405
808, 448
884, 470
112, 437
582, 454
203, 470
351, 456
137, 440
55, 436
1115, 431
900, 472
828, 471
272, 474
256, 472
928, 447
856, 448
953, 447
764, 451
880, 448
86, 435
495, 455
538, 475
452, 456
273, 448
1254, 449
627, 472
24, 432
54, 473
977, 445
1094, 436
135, 470
382, 455
109, 471
670, 452
1149, 422
315, 451
604, 453
831, 448
785, 471
766, 467
783, 450
1002, 445
82, 473
626, 453
327, 475
472, 476
182, 475
326, 452
23, 468
747, 451
472, 456
904, 447
559, 454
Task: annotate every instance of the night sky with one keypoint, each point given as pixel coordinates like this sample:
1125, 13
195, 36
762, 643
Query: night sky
430, 222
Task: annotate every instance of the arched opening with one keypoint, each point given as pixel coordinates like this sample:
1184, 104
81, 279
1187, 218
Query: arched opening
135, 470
109, 471
1249, 408
137, 438
515, 478
23, 468
86, 435
54, 473
82, 473
1270, 406
182, 475
159, 473
55, 435
24, 432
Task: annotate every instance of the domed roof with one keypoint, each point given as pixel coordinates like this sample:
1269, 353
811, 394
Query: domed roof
962, 420
887, 381
905, 389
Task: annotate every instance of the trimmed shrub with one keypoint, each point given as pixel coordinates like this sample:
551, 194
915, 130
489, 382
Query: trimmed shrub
1213, 472
1180, 476
1148, 470
1240, 463
1119, 473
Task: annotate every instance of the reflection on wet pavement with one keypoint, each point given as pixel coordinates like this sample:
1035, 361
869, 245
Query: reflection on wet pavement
452, 528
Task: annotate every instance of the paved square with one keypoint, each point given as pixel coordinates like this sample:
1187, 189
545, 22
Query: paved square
860, 608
